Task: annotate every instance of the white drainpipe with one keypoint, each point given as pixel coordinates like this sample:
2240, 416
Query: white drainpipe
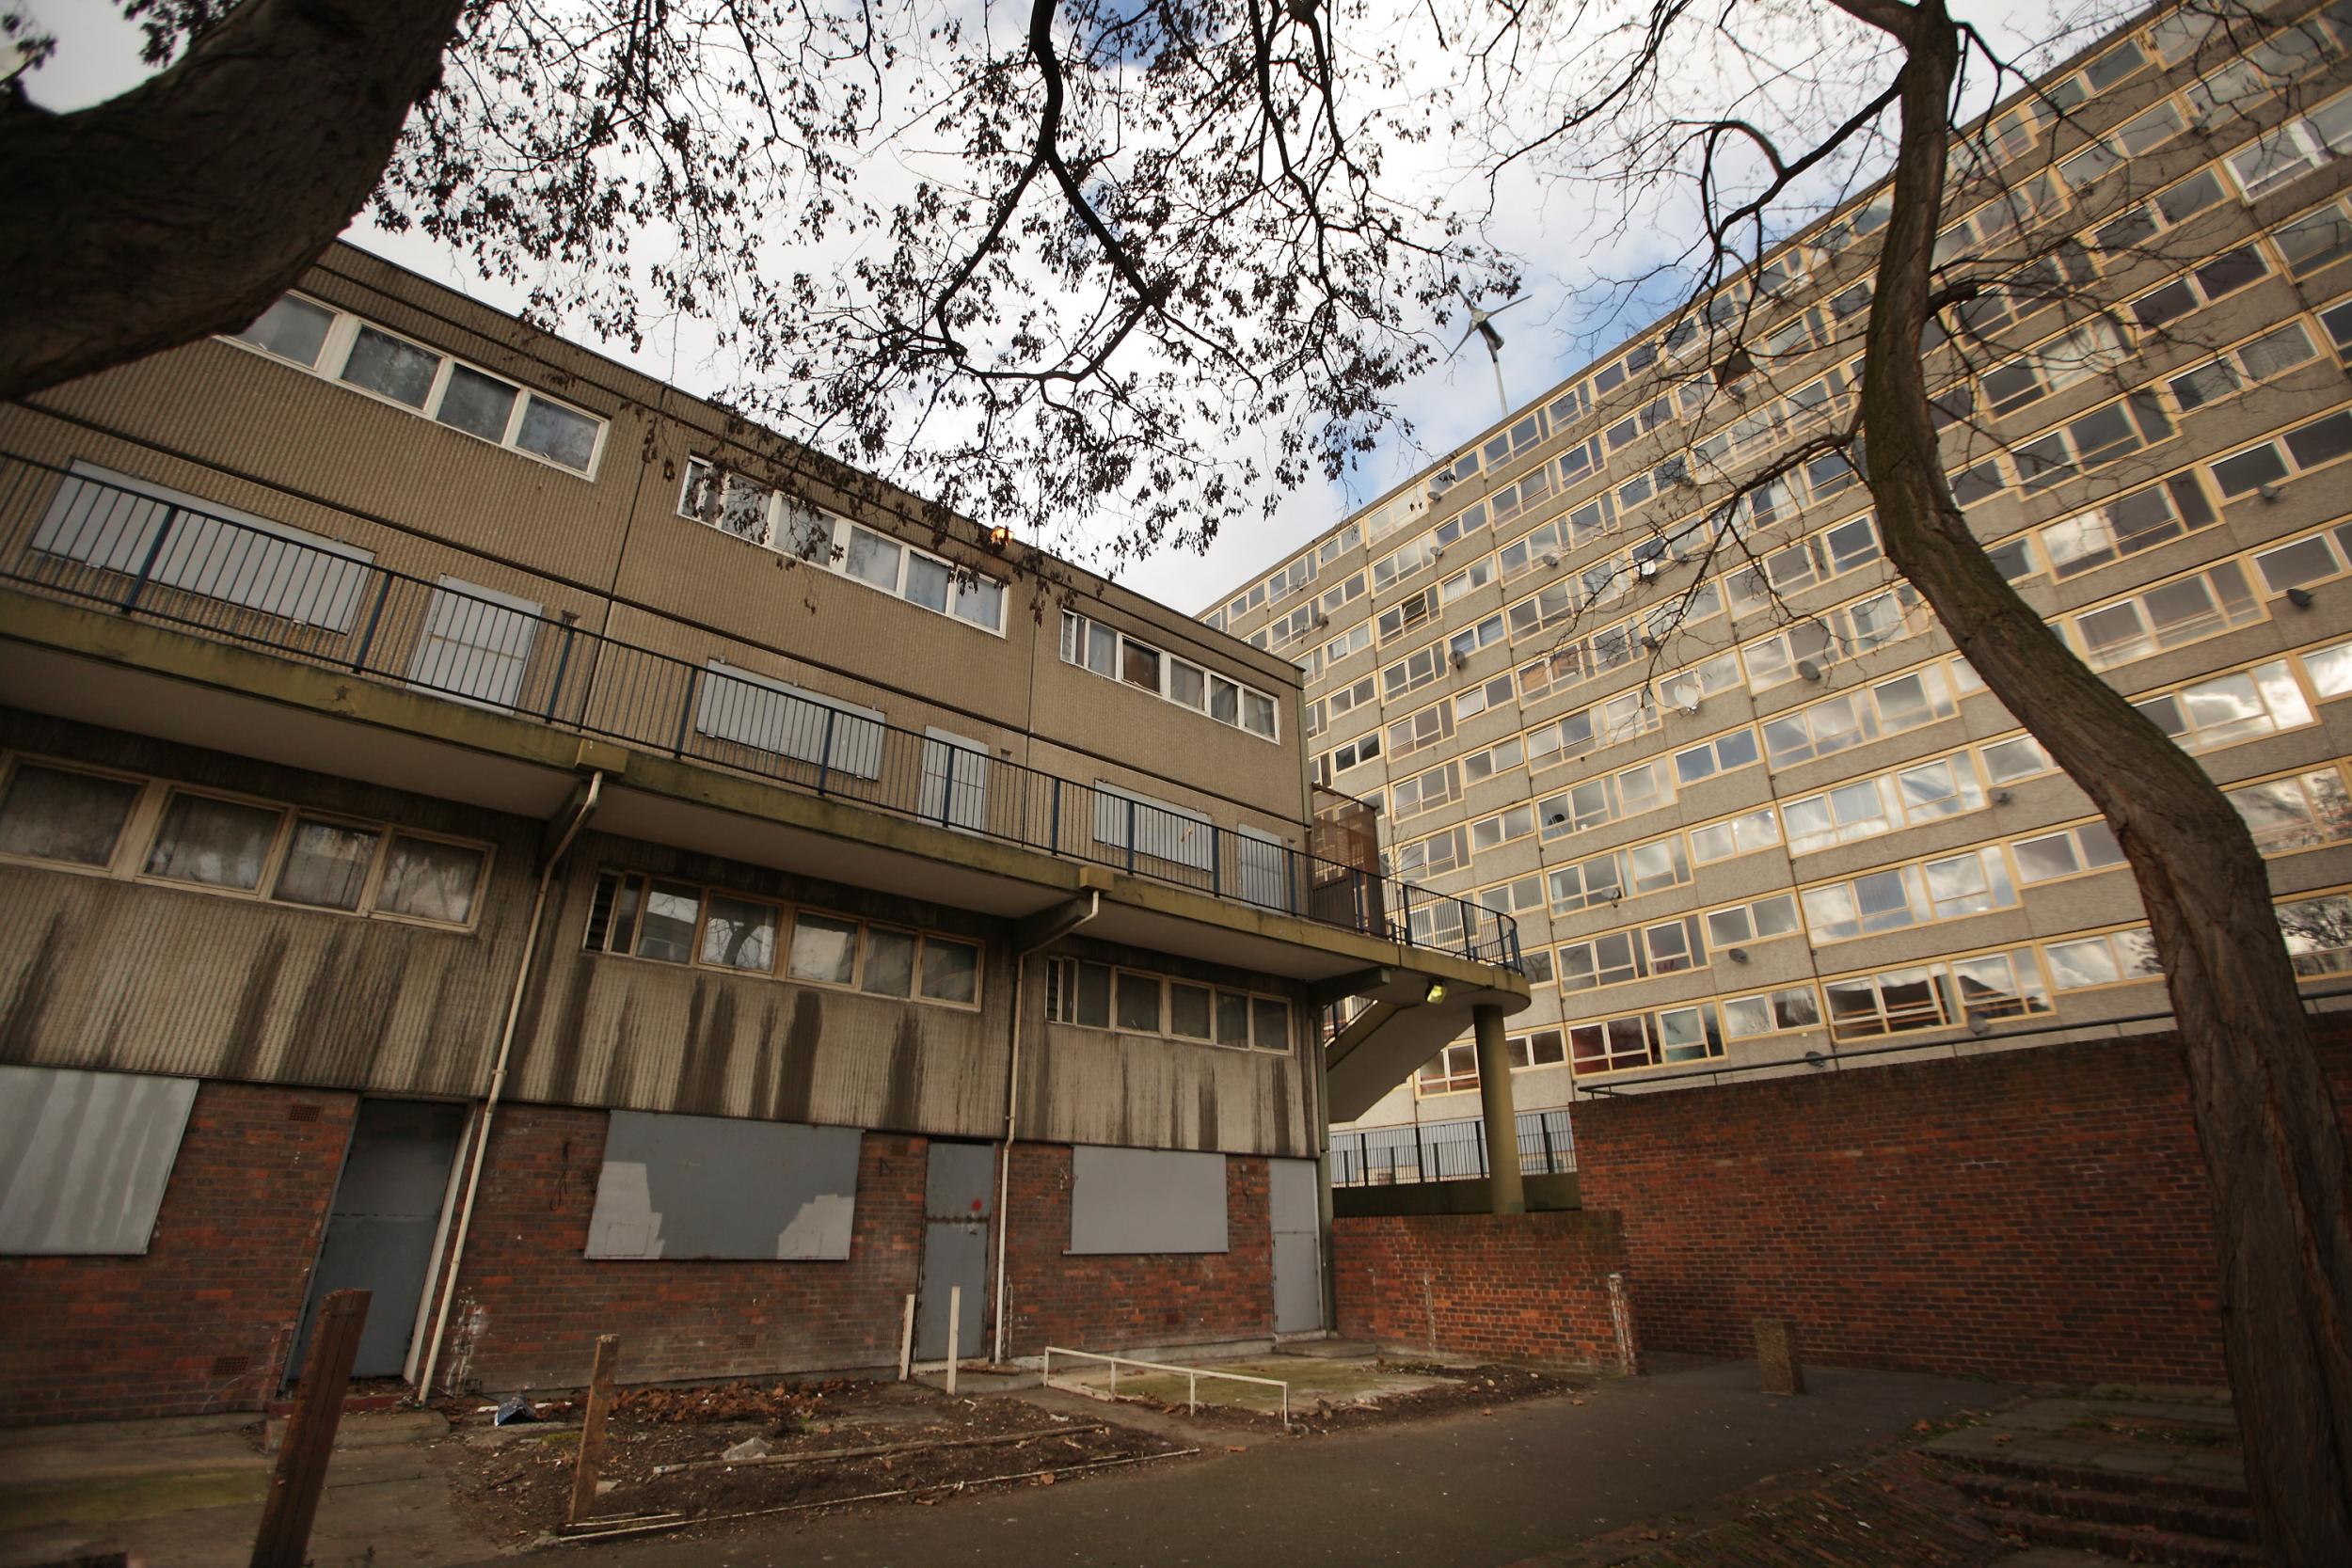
1013, 1111
498, 1086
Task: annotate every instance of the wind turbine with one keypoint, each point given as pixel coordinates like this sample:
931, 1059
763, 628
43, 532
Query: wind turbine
1482, 325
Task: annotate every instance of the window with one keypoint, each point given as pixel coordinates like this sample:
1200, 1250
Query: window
2294, 147
2271, 354
2182, 610
293, 329
70, 817
788, 1191
2315, 558
2226, 709
1999, 985
2223, 276
2318, 933
65, 815
747, 709
2091, 442
1771, 1012
2307, 447
632, 914
1736, 836
339, 346
1894, 1001
2140, 522
2299, 812
1743, 925
2315, 239
2114, 959
2020, 757
1102, 651
1136, 1002
2088, 846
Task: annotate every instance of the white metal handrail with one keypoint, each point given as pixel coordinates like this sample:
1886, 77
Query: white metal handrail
1192, 1376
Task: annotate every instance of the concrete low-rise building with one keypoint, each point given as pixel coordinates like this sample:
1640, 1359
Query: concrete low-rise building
480, 825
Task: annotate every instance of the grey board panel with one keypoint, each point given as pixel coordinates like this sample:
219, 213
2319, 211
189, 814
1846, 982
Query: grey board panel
677, 1186
84, 1158
1145, 1200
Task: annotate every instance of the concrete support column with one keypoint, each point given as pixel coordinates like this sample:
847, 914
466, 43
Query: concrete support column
1504, 1184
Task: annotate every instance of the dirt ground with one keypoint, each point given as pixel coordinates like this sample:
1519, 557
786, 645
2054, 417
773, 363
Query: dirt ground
515, 1482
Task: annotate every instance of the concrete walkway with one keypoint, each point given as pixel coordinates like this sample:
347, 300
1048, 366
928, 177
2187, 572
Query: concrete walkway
1472, 1491
187, 1494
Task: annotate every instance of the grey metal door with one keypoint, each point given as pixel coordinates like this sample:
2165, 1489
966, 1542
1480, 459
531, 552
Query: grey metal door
957, 1202
379, 1238
1297, 1252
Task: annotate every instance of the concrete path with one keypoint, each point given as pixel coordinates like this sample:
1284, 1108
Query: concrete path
187, 1494
1470, 1491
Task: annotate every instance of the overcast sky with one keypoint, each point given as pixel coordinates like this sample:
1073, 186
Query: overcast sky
1564, 244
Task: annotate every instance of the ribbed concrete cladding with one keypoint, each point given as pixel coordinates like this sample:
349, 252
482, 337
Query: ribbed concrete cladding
1652, 758
98, 535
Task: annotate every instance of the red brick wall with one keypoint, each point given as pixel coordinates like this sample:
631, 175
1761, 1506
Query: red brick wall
1530, 1288
529, 1305
201, 1320
2035, 1214
1113, 1302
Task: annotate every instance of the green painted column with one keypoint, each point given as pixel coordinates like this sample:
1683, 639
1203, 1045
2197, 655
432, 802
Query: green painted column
1504, 1183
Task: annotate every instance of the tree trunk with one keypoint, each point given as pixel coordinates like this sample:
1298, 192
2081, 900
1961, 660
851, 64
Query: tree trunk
188, 204
2274, 1148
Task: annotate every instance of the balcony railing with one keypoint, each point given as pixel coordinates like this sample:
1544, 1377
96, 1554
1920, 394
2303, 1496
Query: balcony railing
325, 602
1447, 1150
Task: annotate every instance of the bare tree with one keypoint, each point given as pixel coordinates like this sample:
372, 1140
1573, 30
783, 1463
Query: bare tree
1157, 268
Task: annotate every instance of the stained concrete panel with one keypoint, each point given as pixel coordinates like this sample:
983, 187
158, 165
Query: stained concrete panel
677, 1186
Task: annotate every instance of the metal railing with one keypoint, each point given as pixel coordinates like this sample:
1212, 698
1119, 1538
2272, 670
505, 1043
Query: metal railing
1447, 1151
325, 602
1192, 1376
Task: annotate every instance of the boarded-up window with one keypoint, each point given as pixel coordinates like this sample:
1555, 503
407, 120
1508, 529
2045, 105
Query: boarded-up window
721, 1187
123, 525
1123, 819
1146, 1200
84, 1157
751, 710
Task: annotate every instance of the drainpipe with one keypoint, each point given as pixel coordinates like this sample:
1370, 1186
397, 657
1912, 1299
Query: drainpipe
498, 1082
1013, 1110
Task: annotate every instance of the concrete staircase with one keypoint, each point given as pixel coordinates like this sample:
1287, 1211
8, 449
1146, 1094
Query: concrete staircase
2150, 1476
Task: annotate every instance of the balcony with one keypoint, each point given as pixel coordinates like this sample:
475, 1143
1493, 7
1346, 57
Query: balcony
141, 559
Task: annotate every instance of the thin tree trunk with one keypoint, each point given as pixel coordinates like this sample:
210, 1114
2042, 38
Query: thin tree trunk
201, 194
2274, 1148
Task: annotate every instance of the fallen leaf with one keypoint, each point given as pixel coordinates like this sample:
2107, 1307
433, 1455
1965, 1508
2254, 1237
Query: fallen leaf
1236, 1448
1046, 1479
2001, 1437
1923, 1426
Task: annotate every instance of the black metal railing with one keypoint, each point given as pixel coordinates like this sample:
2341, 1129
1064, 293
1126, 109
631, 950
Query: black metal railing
148, 553
1447, 1150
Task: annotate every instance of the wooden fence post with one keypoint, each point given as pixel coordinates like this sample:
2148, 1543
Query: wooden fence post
590, 1464
300, 1474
